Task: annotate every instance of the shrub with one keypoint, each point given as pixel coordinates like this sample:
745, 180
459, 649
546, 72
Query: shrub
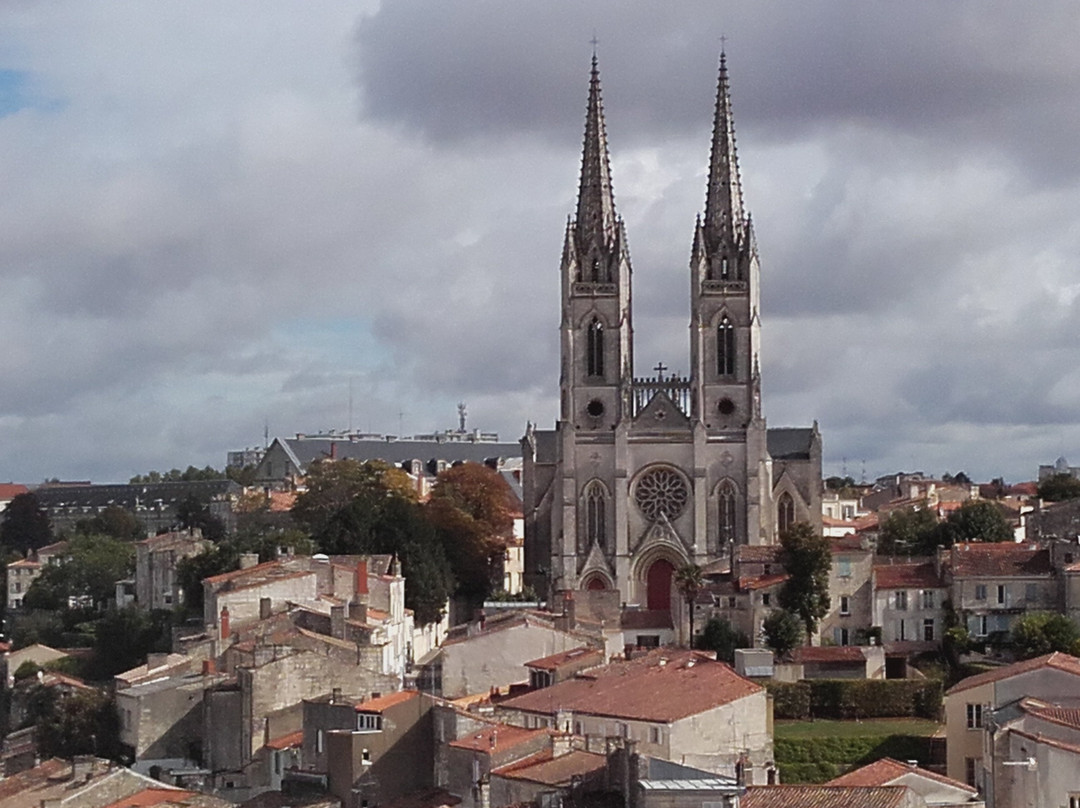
856, 698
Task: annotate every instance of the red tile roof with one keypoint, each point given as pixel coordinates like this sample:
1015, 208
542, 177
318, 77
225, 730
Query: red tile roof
646, 618
553, 771
1065, 716
556, 661
884, 771
758, 553
663, 686
982, 559
12, 490
1057, 660
153, 796
497, 737
748, 584
829, 653
287, 741
387, 701
916, 575
827, 796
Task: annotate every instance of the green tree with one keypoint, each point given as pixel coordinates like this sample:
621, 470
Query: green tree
977, 520
120, 523
908, 532
331, 485
25, 524
190, 572
242, 475
1038, 633
719, 636
783, 632
82, 723
190, 475
689, 581
123, 638
87, 576
193, 513
807, 560
1059, 487
472, 507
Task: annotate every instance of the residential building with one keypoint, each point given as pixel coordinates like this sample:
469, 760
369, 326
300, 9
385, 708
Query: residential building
935, 789
909, 604
22, 573
748, 592
1060, 466
971, 703
677, 705
643, 474
850, 599
156, 559
992, 584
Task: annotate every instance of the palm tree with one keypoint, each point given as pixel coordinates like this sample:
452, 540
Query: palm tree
689, 581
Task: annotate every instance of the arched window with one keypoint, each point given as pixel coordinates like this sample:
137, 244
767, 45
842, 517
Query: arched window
728, 500
725, 269
785, 512
594, 349
596, 513
725, 348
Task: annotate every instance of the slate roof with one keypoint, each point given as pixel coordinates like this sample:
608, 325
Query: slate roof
916, 575
789, 443
826, 796
996, 560
304, 451
1056, 660
884, 771
663, 686
126, 496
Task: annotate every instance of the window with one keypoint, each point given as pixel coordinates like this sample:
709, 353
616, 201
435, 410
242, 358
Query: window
840, 636
969, 771
928, 629
765, 599
320, 739
731, 601
1001, 594
785, 512
368, 722
901, 633
577, 728
980, 591
928, 598
594, 349
648, 640
901, 600
845, 606
595, 513
365, 756
981, 629
1074, 800
1030, 593
728, 509
656, 735
623, 729
974, 716
843, 567
725, 348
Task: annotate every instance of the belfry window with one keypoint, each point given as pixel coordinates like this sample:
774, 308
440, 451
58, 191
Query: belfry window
785, 512
595, 513
594, 349
725, 269
728, 500
725, 348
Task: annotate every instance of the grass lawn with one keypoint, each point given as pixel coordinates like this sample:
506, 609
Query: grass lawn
821, 728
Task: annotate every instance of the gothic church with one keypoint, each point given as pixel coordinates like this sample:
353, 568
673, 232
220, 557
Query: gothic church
642, 475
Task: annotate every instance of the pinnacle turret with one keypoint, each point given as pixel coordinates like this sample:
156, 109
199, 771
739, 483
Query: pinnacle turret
724, 215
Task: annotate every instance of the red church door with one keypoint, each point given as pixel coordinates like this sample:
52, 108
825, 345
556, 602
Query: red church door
595, 584
658, 585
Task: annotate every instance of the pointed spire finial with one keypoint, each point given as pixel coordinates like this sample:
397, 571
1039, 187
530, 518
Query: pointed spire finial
724, 215
596, 222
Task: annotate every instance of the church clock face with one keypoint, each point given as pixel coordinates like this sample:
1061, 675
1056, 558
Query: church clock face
661, 491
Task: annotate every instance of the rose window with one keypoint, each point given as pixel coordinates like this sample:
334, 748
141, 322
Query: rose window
661, 491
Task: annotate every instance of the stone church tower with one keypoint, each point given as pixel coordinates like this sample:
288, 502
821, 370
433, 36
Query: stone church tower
644, 474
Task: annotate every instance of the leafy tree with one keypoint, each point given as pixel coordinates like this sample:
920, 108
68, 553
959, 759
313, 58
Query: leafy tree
189, 475
25, 524
908, 532
977, 520
783, 632
193, 513
719, 636
839, 483
807, 560
88, 574
1038, 633
331, 485
120, 523
960, 478
224, 557
242, 475
689, 581
123, 638
472, 507
1059, 487
82, 723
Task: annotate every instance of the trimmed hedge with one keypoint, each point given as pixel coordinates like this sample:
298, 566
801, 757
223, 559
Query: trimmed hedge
817, 760
856, 698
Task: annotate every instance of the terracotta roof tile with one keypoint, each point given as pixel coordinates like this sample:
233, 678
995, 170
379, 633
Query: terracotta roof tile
916, 575
826, 796
387, 701
664, 685
497, 737
287, 741
884, 771
553, 771
1065, 716
758, 553
1057, 660
153, 796
983, 559
556, 661
748, 584
829, 653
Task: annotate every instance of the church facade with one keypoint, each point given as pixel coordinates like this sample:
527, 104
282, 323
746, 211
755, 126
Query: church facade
643, 475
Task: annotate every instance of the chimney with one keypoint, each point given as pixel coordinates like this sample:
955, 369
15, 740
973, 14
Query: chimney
224, 623
264, 608
248, 560
360, 586
335, 695
359, 604
82, 767
337, 622
209, 666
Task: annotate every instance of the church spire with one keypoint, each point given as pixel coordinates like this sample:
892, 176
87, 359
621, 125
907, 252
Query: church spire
596, 224
724, 215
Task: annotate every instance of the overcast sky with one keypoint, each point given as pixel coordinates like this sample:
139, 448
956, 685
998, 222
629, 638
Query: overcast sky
219, 216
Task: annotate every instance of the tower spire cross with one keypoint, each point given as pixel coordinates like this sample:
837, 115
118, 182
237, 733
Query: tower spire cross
660, 368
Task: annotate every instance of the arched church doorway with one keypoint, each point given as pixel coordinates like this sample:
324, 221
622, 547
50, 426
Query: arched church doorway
596, 584
658, 585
